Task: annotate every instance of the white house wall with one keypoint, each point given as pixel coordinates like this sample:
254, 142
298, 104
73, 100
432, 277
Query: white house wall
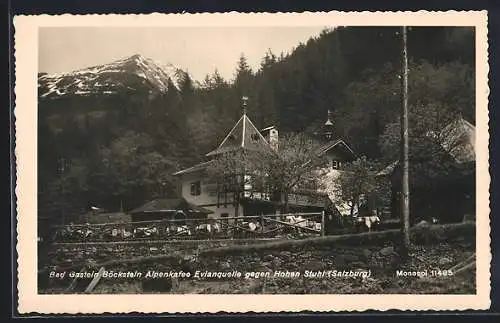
204, 197
208, 196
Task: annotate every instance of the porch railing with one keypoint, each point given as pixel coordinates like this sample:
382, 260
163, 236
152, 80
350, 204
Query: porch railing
293, 225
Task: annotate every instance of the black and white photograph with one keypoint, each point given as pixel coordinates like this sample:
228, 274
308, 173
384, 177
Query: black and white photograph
258, 159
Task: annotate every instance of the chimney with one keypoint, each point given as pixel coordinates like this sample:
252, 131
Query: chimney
273, 138
271, 135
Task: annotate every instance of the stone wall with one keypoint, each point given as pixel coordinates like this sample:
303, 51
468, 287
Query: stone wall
75, 255
375, 252
121, 256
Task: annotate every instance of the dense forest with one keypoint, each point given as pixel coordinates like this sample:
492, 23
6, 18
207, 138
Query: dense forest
119, 151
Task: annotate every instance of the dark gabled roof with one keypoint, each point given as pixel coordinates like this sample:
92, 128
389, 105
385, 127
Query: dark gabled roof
459, 138
459, 141
329, 145
170, 205
267, 128
195, 168
244, 135
388, 169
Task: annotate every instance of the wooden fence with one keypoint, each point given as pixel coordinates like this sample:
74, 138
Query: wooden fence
293, 225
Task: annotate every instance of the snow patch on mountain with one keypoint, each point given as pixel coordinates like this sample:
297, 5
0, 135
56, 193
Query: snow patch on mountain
110, 78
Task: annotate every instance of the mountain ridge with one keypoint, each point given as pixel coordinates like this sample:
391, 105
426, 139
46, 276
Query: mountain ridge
129, 73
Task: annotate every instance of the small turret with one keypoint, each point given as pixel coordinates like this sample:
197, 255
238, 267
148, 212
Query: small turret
328, 127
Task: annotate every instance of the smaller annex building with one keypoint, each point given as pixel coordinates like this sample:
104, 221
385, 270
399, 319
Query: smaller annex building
169, 209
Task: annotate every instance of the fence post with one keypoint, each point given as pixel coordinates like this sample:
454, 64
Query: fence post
94, 281
323, 223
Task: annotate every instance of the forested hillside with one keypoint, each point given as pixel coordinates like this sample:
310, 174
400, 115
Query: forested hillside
119, 145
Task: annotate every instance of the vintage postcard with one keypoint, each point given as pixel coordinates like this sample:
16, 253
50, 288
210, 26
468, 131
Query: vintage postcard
203, 163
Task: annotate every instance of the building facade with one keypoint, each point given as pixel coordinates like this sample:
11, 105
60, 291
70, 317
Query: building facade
197, 187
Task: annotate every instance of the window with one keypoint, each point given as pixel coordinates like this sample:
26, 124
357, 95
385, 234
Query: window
255, 137
195, 188
335, 164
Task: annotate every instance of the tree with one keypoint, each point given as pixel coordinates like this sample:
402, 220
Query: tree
230, 171
293, 166
431, 139
440, 160
65, 195
132, 170
372, 102
357, 181
243, 82
278, 173
218, 80
243, 66
207, 82
268, 60
186, 85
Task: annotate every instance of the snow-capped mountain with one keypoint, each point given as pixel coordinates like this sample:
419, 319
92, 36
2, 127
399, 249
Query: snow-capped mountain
132, 73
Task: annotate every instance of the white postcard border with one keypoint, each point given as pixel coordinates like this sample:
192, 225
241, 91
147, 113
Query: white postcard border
26, 61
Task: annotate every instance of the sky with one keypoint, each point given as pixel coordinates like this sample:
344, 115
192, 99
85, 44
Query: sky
197, 50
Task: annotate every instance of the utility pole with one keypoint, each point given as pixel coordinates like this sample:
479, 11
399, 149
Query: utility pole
404, 159
62, 169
